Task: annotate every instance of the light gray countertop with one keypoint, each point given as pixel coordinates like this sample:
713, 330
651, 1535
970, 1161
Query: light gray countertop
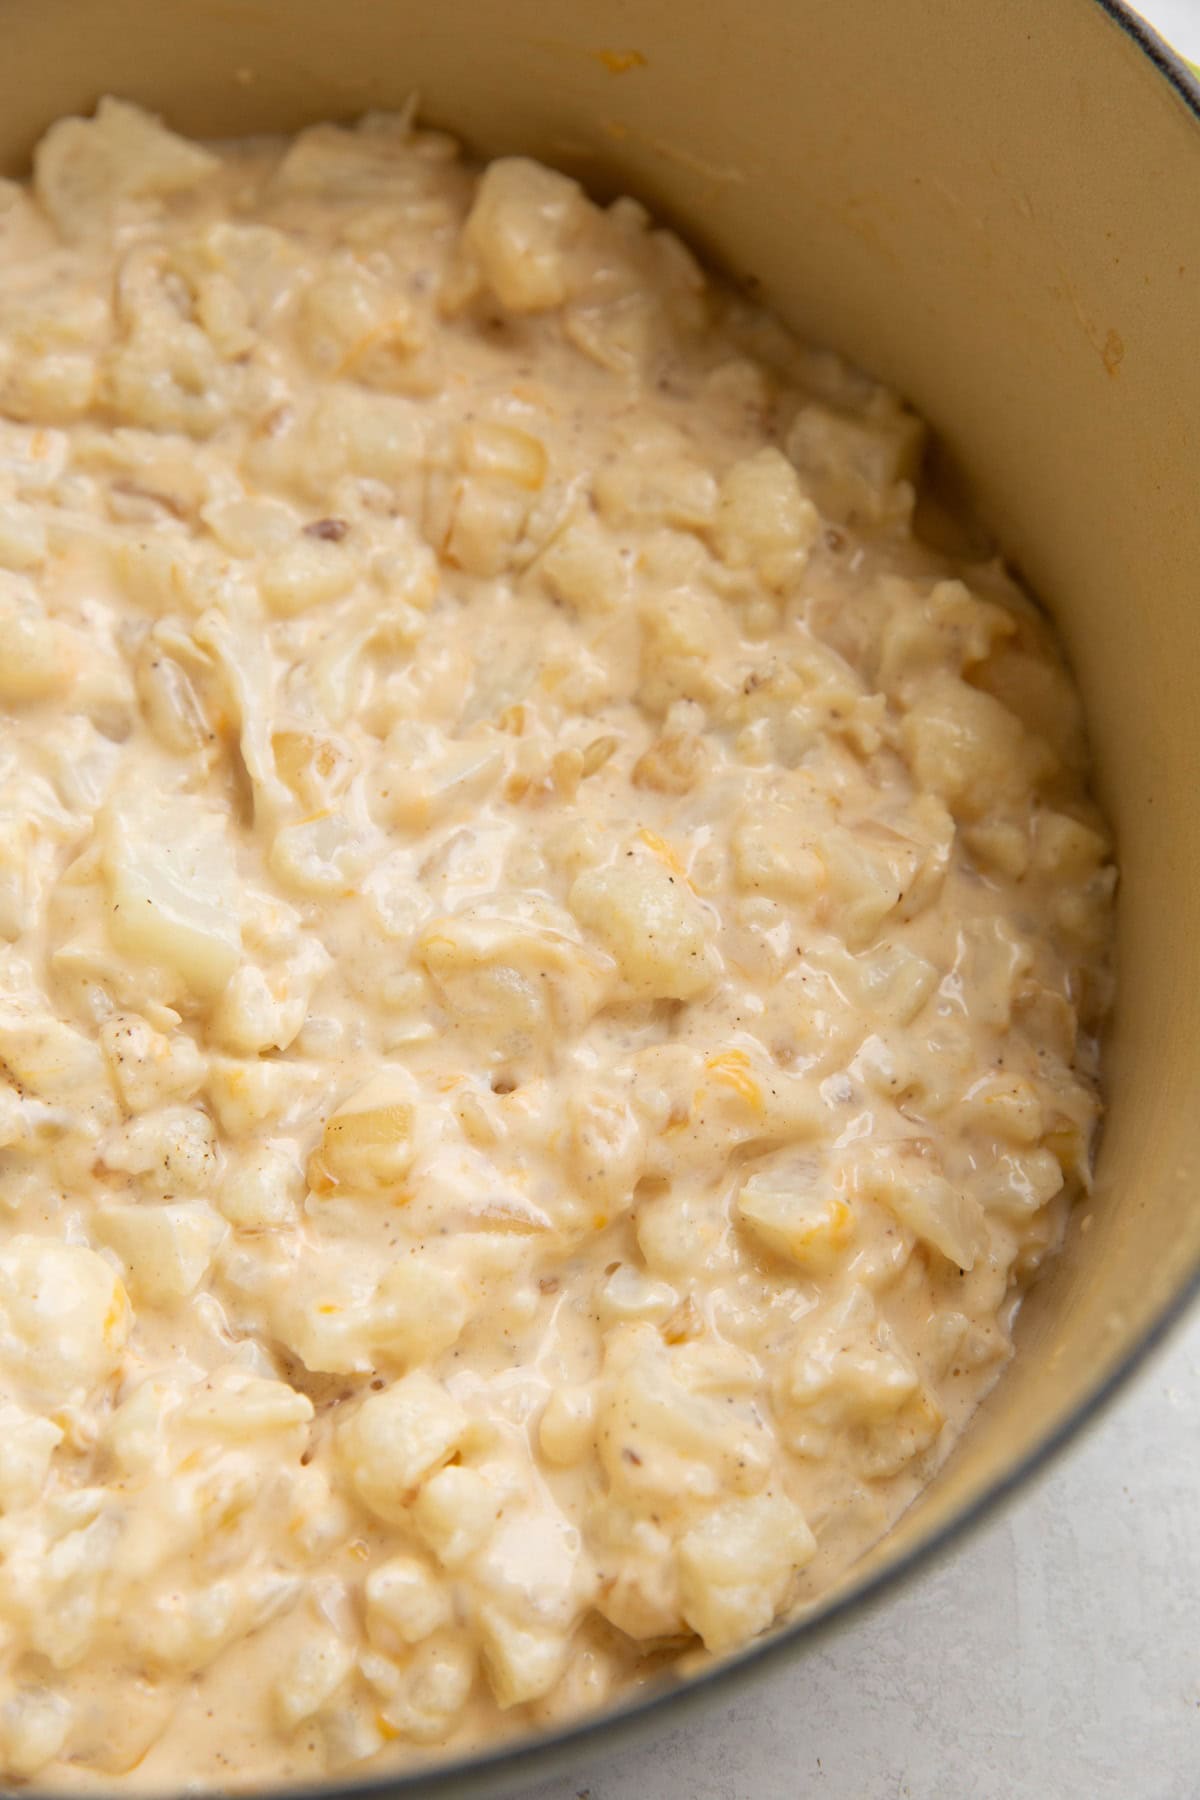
1055, 1655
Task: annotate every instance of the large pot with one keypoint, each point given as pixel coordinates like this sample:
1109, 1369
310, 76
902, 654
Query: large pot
996, 209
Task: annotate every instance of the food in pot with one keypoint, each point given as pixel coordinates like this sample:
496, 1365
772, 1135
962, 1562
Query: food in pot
552, 948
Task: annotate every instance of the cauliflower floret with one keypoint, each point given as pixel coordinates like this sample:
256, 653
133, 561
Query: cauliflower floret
851, 876
656, 481
173, 891
381, 436
421, 1696
405, 1603
584, 569
675, 1425
34, 1726
167, 1250
858, 467
308, 572
419, 1309
396, 1439
26, 1445
351, 321
514, 968
796, 1211
535, 1581
735, 1567
849, 1380
53, 1060
947, 628
262, 1190
265, 1009
970, 750
316, 1669
247, 1093
83, 168
688, 646
674, 763
35, 652
455, 1511
775, 851
522, 1661
175, 1145
149, 1068
605, 1148
64, 1318
653, 923
906, 1178
765, 523
521, 229
340, 1317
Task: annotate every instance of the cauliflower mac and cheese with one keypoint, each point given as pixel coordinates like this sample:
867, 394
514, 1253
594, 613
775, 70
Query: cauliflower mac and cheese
550, 956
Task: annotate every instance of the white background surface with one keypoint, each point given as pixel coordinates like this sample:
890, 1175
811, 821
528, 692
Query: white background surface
1053, 1656
1178, 21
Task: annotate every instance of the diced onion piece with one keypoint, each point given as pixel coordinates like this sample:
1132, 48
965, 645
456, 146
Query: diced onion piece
368, 1144
795, 1214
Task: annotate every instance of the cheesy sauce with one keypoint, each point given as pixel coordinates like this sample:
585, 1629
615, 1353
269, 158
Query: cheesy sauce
550, 956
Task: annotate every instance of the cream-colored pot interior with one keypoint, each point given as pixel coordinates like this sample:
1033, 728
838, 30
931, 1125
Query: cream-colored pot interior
996, 209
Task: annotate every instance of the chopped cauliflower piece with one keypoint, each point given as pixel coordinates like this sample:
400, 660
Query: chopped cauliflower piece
736, 1565
405, 1603
149, 1068
396, 1439
653, 924
34, 1725
172, 892
27, 1444
64, 1317
83, 167
849, 1378
454, 1512
514, 970
316, 1669
667, 1433
34, 651
796, 1212
764, 519
902, 1178
419, 1309
855, 465
521, 229
166, 1250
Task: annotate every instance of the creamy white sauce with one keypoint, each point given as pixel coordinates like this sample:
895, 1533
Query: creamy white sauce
550, 951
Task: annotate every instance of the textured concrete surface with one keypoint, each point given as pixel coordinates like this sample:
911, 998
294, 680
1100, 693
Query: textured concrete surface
1053, 1656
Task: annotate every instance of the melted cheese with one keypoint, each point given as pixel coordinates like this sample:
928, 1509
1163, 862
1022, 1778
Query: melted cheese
550, 952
